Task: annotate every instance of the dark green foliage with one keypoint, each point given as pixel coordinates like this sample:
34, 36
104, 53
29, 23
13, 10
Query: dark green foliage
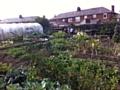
26, 79
15, 73
80, 74
4, 68
38, 46
19, 53
59, 43
106, 31
26, 56
15, 52
59, 34
38, 35
16, 76
116, 36
17, 39
43, 21
28, 48
45, 84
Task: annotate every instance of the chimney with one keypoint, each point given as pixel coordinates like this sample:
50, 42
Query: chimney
20, 16
78, 9
113, 8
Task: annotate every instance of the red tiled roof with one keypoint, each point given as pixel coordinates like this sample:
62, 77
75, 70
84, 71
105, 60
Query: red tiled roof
82, 12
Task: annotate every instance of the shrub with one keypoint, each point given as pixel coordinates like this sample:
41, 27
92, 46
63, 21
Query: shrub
4, 67
78, 73
25, 57
38, 46
15, 52
116, 36
59, 34
45, 84
59, 43
106, 31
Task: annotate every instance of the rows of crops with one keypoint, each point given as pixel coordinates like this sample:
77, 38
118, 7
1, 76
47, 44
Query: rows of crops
55, 63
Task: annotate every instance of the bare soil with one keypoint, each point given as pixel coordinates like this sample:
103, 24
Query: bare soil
9, 60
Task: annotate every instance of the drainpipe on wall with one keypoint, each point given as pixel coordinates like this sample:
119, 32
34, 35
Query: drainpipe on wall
57, 22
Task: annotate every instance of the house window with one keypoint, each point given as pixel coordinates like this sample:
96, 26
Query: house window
70, 20
94, 15
104, 15
85, 17
63, 20
77, 19
118, 20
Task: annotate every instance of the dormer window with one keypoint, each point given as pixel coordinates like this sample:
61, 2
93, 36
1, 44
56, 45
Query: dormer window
85, 17
70, 20
104, 15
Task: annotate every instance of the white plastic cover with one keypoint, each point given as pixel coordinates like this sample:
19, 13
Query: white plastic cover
8, 30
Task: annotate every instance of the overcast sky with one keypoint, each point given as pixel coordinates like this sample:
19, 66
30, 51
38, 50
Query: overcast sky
49, 8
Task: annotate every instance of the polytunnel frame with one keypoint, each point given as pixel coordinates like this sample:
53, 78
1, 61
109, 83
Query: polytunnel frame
18, 27
4, 27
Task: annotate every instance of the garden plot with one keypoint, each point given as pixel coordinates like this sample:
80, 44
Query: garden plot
70, 61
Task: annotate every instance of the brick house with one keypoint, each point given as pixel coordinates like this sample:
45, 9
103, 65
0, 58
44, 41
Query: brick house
86, 16
118, 17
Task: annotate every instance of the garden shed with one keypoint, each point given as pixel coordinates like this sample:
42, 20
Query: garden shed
8, 31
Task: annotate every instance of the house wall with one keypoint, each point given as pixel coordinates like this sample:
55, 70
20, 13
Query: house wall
109, 17
99, 16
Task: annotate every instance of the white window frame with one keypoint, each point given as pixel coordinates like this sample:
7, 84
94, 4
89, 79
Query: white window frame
118, 20
104, 14
77, 19
63, 20
69, 19
85, 17
94, 15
